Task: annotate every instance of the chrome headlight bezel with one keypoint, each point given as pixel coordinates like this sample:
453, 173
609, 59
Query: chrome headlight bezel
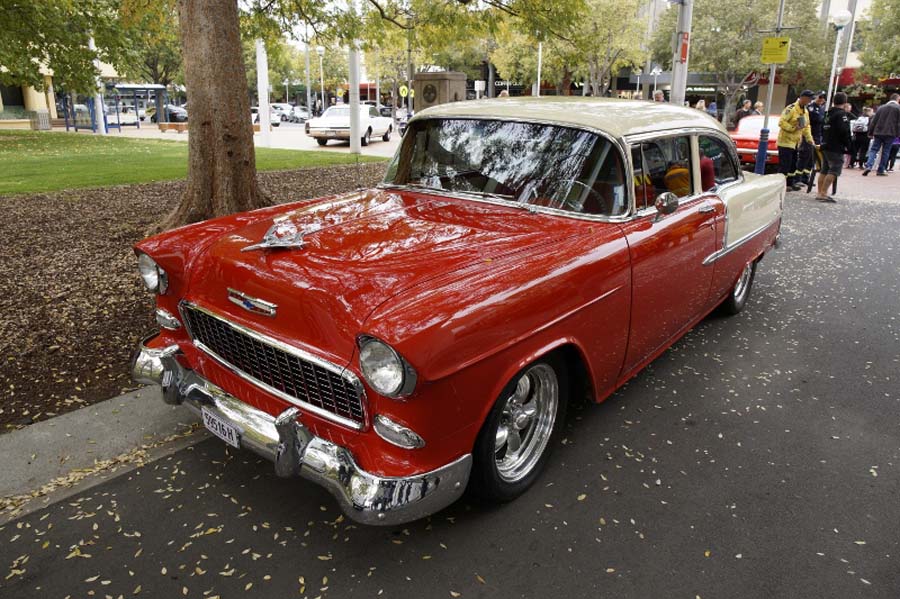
406, 375
155, 278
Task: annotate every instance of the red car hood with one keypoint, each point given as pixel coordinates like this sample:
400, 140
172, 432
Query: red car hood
359, 251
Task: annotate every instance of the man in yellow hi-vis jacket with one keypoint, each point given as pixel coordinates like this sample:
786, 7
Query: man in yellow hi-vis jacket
793, 127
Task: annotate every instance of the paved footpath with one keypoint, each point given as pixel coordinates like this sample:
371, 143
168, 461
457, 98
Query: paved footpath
759, 457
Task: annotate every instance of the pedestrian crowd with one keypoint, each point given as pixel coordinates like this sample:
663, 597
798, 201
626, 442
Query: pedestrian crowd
811, 133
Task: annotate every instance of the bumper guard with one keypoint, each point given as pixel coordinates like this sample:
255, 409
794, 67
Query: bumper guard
366, 498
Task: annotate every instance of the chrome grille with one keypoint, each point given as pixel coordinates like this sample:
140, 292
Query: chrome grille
322, 387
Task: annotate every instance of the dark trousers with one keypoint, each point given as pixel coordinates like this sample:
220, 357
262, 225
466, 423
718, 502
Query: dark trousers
860, 149
787, 163
806, 157
892, 158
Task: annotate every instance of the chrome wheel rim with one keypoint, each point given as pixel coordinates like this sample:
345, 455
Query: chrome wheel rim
526, 423
743, 284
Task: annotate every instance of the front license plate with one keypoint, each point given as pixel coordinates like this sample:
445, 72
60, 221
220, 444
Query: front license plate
221, 429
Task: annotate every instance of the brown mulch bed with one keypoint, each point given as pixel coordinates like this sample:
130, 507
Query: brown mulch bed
72, 306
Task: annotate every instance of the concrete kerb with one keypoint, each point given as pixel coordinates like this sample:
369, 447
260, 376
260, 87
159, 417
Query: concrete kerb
57, 458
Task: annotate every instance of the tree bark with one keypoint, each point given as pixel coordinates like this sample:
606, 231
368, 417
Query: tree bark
221, 159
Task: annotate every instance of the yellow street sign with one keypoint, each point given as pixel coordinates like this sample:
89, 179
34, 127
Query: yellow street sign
412, 93
776, 50
404, 91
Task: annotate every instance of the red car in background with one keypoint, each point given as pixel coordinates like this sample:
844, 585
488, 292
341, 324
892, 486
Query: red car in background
746, 138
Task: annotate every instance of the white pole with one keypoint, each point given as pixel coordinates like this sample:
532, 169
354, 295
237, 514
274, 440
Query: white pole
540, 61
322, 82
355, 131
377, 82
308, 90
262, 93
682, 53
837, 47
99, 117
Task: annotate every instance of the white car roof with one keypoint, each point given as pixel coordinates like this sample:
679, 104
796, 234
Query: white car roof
618, 118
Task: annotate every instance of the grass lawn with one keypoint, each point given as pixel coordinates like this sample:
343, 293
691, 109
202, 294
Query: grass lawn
35, 161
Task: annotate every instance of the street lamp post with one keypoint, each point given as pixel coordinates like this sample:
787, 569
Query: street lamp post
656, 72
841, 20
321, 52
640, 94
287, 92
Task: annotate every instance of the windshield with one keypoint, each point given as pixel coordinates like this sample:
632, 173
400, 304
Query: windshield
528, 163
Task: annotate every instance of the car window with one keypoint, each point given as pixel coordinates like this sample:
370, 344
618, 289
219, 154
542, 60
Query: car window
373, 111
716, 164
662, 165
529, 163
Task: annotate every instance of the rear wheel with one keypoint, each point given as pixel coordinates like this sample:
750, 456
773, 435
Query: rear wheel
736, 301
520, 431
321, 141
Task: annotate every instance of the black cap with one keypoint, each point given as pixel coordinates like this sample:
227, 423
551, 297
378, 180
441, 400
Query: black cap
807, 93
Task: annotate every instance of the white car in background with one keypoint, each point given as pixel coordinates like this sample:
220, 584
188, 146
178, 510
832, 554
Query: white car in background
335, 124
274, 118
282, 109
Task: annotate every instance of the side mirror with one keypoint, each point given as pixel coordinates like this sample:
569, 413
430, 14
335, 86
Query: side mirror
666, 203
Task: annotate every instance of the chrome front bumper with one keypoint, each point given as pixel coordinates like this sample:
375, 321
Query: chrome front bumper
295, 451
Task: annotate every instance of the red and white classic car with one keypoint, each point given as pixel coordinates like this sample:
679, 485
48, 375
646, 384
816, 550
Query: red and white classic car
398, 344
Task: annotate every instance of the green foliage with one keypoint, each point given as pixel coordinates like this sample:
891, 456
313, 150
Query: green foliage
881, 52
725, 41
41, 34
39, 161
154, 54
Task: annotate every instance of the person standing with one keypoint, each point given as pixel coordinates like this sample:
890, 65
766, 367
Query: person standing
701, 105
744, 110
860, 129
793, 126
883, 128
817, 110
836, 141
659, 96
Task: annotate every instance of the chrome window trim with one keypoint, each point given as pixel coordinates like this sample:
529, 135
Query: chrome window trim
616, 142
344, 373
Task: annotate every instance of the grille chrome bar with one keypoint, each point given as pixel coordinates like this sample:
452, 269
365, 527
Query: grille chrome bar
296, 376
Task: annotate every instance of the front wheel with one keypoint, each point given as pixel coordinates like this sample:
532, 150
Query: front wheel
737, 299
516, 439
366, 137
387, 135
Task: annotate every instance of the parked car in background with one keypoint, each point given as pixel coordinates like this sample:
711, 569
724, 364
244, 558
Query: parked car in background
174, 114
299, 114
397, 344
335, 124
274, 118
282, 109
403, 120
746, 139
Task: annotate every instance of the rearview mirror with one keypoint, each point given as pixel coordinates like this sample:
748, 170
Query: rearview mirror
666, 203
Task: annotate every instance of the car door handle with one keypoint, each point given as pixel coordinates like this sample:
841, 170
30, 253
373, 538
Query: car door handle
705, 208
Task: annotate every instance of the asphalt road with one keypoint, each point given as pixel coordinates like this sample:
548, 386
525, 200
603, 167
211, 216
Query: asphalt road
756, 458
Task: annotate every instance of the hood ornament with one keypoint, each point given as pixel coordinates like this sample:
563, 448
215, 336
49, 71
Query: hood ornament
281, 235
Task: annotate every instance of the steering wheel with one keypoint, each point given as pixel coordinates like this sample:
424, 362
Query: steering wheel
574, 204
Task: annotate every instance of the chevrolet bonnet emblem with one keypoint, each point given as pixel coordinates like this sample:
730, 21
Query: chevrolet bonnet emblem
252, 304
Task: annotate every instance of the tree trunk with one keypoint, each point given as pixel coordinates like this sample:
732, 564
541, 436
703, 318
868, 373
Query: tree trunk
221, 159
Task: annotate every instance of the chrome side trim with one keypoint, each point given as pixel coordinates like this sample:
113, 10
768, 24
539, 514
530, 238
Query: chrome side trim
725, 251
295, 451
167, 320
344, 373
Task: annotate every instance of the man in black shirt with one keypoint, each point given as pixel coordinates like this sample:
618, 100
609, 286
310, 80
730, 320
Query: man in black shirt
836, 141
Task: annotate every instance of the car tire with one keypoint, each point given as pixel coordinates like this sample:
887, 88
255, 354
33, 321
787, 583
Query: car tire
366, 137
531, 409
737, 299
387, 134
321, 141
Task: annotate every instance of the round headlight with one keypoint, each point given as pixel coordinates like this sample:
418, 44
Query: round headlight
383, 368
154, 277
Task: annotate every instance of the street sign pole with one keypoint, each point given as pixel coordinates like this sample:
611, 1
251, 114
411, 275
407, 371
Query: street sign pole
682, 52
762, 151
262, 92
